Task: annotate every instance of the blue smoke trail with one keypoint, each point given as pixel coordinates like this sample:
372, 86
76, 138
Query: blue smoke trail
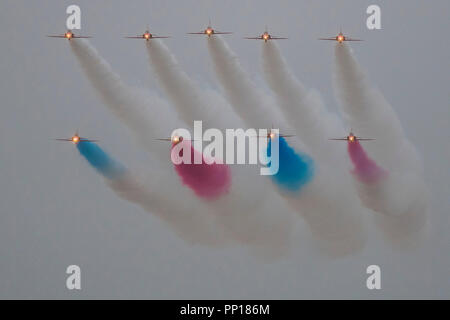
295, 169
100, 160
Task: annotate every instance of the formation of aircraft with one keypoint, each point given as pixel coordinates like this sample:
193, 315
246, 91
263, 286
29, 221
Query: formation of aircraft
209, 31
177, 139
351, 138
75, 139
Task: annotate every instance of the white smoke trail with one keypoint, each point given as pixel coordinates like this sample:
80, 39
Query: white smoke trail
243, 212
239, 90
147, 116
269, 234
159, 199
334, 215
136, 110
369, 114
403, 196
304, 109
190, 103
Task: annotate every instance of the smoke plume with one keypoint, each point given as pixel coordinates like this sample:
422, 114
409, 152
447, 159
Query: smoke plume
402, 197
334, 216
191, 226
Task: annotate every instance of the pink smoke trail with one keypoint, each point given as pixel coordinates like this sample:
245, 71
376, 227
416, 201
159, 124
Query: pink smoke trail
208, 181
365, 169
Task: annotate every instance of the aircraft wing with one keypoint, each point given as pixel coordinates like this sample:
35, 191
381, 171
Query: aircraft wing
281, 136
170, 139
160, 37
135, 37
64, 36
351, 39
87, 140
357, 138
81, 140
334, 39
201, 32
254, 38
81, 37
341, 139
277, 38
219, 32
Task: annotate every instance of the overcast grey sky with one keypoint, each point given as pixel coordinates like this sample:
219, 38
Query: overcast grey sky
55, 211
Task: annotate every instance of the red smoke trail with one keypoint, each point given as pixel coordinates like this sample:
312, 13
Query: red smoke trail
208, 181
365, 169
